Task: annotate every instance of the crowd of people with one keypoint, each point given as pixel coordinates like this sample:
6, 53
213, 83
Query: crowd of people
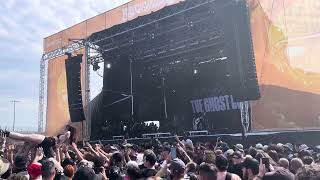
60, 157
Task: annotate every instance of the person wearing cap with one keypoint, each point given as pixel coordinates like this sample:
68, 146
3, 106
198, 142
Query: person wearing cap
5, 170
229, 153
236, 164
238, 147
222, 165
177, 169
250, 168
259, 146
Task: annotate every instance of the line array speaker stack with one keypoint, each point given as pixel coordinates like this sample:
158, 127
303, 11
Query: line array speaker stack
73, 73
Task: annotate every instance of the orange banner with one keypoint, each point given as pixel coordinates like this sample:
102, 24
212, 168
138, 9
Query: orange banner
286, 45
57, 103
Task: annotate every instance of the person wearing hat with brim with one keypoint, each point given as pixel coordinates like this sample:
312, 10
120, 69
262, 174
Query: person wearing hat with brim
177, 169
250, 168
236, 167
4, 166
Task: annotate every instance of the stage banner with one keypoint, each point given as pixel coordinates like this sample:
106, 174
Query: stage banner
286, 42
57, 100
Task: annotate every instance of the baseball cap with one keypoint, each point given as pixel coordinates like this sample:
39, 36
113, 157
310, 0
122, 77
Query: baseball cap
223, 146
229, 152
178, 164
250, 163
236, 155
189, 142
259, 146
279, 144
288, 146
303, 147
238, 147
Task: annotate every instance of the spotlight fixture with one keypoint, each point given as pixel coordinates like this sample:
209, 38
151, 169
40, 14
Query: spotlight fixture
108, 66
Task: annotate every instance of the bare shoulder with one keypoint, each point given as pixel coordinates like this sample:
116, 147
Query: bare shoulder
235, 177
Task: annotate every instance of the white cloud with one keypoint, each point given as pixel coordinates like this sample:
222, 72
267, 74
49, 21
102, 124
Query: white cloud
23, 25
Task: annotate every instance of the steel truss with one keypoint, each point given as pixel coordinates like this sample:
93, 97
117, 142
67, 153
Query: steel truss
76, 44
245, 117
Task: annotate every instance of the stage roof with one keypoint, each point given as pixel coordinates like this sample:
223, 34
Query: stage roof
118, 15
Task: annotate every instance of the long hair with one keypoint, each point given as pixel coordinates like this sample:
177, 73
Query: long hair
73, 133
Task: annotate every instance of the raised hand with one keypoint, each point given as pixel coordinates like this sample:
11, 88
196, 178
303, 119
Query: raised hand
11, 147
38, 155
180, 149
64, 148
262, 169
176, 138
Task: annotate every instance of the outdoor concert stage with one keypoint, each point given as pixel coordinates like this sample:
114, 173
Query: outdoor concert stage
227, 66
187, 66
309, 137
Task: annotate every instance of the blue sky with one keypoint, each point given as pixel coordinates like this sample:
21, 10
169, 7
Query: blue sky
23, 25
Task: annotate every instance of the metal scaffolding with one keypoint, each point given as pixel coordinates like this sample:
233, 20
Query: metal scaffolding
43, 78
41, 94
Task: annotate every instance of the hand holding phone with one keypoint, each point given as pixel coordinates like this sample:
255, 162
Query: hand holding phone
173, 152
266, 162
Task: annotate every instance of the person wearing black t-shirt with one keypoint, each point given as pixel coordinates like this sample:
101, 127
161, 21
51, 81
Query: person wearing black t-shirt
149, 160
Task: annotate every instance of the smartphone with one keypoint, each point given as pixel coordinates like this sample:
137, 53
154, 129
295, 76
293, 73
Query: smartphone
173, 152
266, 162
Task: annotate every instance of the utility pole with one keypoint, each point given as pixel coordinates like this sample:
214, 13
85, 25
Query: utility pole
14, 113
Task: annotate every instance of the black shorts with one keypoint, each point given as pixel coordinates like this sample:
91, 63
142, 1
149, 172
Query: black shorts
47, 145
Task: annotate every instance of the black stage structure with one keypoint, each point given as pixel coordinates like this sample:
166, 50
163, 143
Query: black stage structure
186, 62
